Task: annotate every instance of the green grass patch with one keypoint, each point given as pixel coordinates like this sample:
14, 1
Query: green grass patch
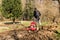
26, 23
57, 35
45, 23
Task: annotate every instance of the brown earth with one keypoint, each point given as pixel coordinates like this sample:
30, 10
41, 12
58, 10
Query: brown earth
44, 33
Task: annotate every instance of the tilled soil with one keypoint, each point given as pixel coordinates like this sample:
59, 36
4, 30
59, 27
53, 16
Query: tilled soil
44, 33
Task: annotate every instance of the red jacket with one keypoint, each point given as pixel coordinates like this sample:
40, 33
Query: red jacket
33, 23
32, 26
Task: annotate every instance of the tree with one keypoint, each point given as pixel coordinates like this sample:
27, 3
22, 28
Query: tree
28, 12
11, 9
59, 3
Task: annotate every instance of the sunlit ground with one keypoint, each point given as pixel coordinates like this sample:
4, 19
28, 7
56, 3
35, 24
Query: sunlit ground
22, 24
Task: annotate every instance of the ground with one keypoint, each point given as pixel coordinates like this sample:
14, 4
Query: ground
16, 31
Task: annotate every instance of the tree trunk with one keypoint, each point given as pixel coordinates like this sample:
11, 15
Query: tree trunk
13, 20
59, 7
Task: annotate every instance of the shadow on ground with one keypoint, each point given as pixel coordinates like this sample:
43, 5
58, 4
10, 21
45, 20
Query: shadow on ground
11, 22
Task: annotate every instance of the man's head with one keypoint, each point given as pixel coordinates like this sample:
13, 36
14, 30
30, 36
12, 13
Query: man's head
35, 8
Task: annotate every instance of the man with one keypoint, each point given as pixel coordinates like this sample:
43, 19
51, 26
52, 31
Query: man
37, 15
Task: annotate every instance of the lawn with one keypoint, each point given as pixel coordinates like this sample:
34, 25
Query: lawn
22, 24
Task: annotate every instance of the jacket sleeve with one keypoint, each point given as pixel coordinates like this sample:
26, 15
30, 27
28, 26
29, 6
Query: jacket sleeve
39, 14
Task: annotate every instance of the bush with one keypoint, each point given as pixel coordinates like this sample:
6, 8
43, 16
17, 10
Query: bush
11, 9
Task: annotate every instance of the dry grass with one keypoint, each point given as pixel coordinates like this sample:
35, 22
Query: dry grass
22, 24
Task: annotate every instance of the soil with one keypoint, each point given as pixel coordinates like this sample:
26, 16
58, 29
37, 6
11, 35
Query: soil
44, 33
